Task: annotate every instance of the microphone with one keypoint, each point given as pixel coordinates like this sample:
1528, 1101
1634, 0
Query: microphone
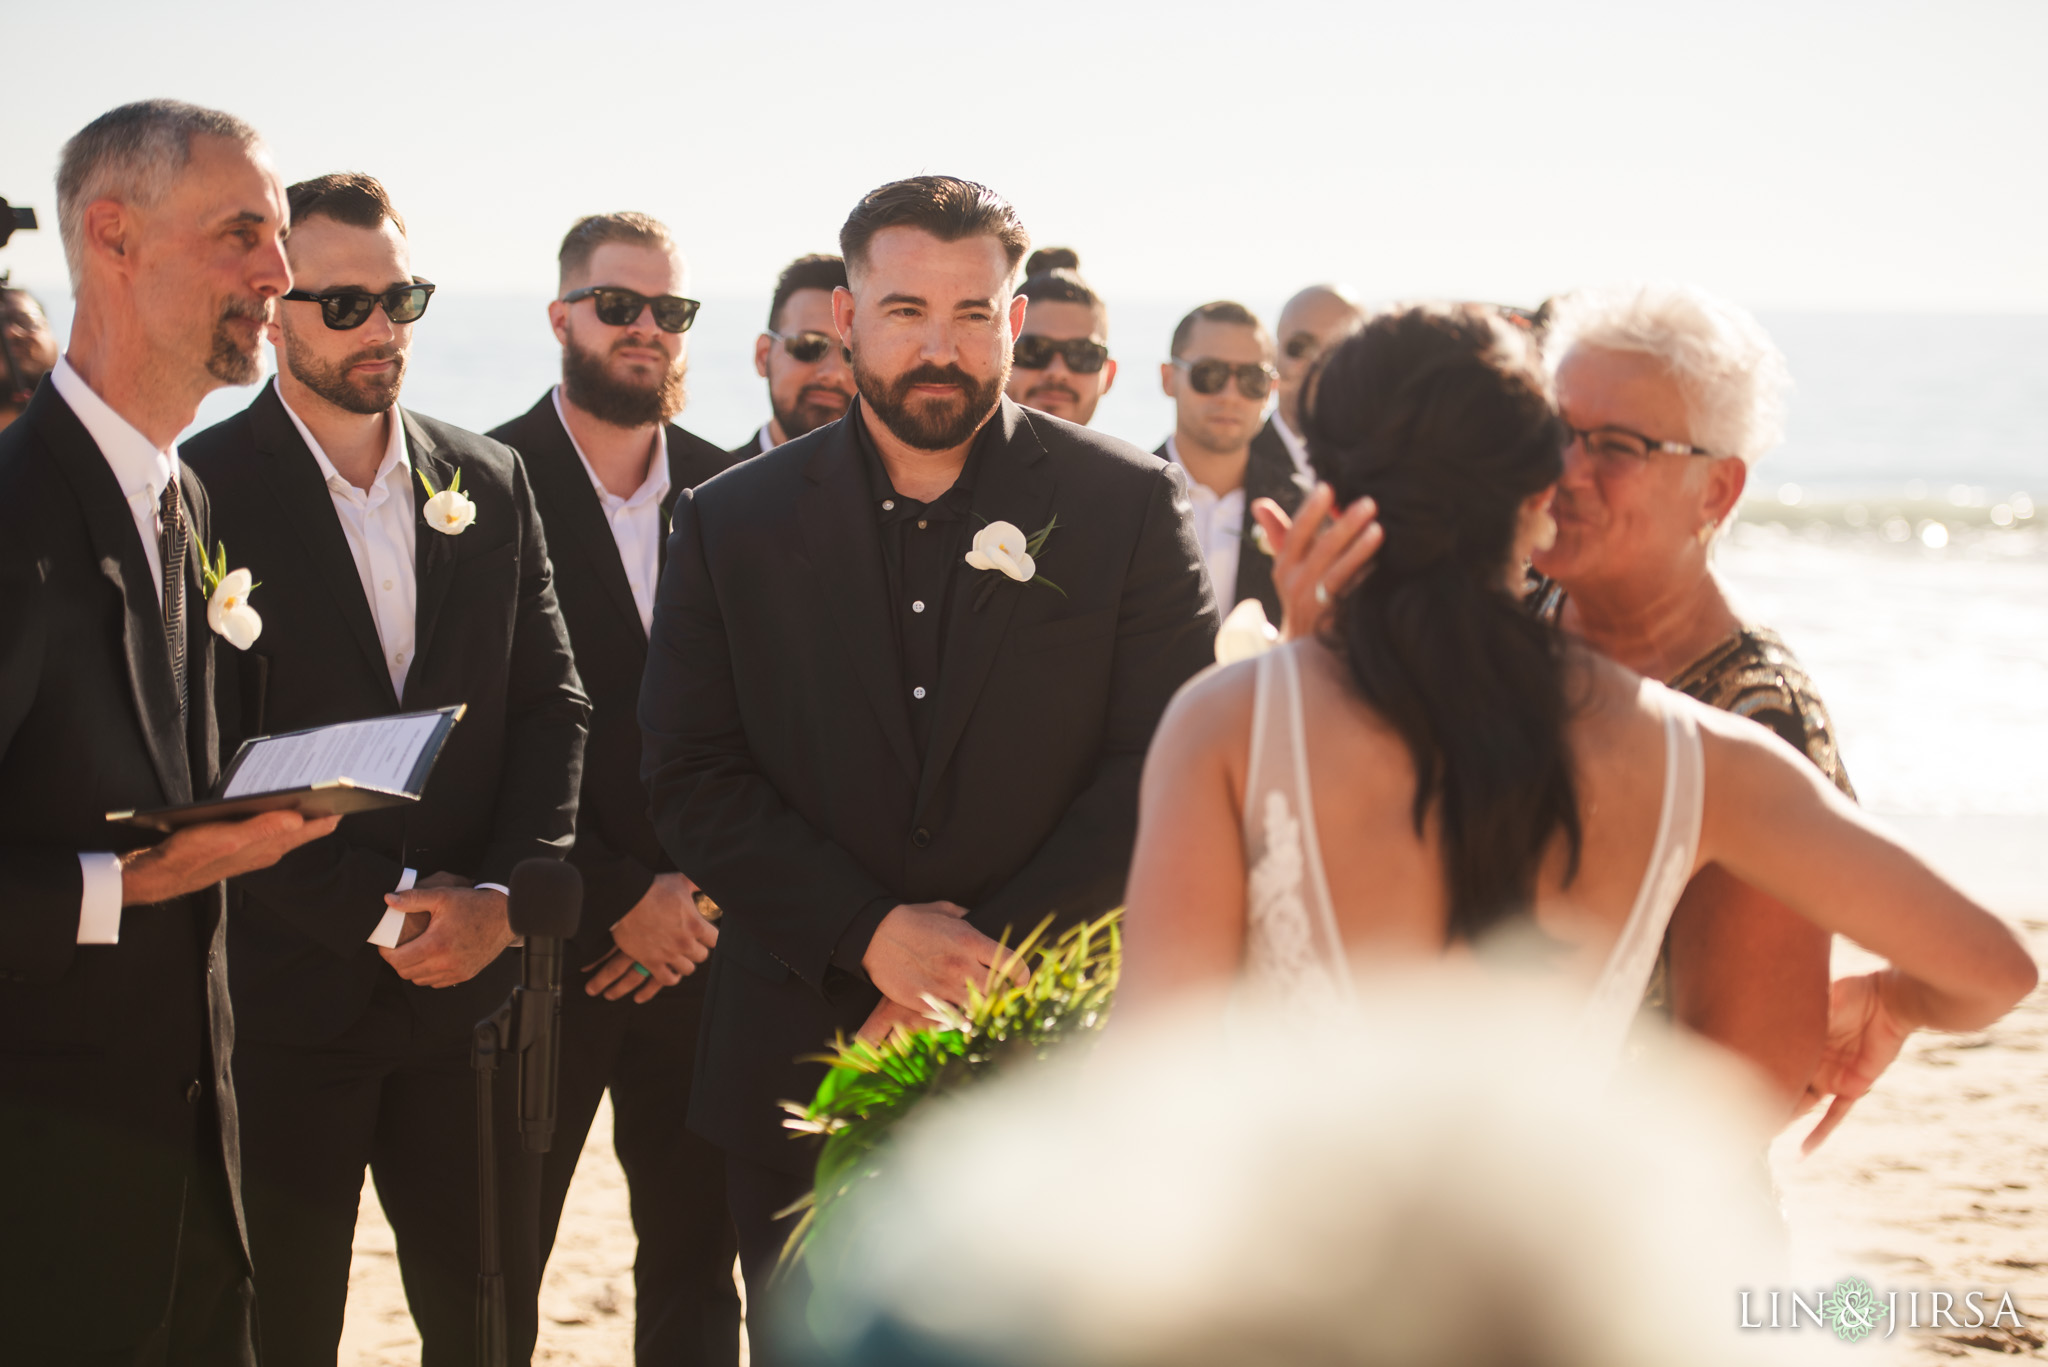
546, 903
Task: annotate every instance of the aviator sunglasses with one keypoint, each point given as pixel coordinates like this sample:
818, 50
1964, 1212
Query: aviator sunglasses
1034, 351
345, 309
1209, 377
804, 346
617, 307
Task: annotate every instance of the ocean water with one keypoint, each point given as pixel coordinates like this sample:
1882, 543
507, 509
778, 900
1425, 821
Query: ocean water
1894, 539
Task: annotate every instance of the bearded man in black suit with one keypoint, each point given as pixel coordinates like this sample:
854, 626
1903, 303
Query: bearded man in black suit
877, 734
607, 467
121, 1232
363, 961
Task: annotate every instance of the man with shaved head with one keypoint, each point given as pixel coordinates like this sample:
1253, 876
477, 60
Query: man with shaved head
1312, 322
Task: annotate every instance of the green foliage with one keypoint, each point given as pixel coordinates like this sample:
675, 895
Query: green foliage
873, 1086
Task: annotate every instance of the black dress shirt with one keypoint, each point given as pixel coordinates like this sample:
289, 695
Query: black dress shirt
924, 548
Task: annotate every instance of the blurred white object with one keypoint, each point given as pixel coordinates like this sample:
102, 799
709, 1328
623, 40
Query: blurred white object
1245, 633
1432, 1181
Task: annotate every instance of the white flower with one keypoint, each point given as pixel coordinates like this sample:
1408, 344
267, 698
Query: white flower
1245, 633
228, 611
1000, 546
450, 513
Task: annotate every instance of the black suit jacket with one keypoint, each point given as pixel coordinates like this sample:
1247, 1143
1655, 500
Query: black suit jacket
487, 635
616, 848
746, 450
1268, 473
106, 1051
780, 758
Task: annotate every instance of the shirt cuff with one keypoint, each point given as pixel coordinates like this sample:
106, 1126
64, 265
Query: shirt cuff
393, 923
853, 942
494, 887
99, 902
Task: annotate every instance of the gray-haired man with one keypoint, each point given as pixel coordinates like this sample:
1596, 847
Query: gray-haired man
119, 1167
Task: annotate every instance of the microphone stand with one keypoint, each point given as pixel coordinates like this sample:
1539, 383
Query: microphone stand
491, 1037
511, 1029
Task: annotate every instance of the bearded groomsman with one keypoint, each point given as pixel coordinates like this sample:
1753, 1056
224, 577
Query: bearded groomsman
363, 961
121, 1235
877, 735
800, 355
607, 466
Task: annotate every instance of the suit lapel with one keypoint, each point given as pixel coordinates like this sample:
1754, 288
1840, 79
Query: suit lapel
309, 510
845, 552
581, 514
126, 566
433, 552
1012, 485
202, 749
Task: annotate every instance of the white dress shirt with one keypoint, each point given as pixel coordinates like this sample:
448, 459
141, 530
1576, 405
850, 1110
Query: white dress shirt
378, 526
1296, 448
1219, 528
143, 471
765, 440
635, 520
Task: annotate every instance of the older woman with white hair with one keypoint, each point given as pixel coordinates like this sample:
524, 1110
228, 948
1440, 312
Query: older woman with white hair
1671, 396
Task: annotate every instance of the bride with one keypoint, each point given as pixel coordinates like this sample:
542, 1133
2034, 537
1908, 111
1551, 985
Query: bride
1438, 766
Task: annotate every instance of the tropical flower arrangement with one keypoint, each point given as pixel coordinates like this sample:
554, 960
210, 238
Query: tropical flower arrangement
873, 1086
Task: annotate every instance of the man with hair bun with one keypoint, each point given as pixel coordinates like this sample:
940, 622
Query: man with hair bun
901, 680
121, 1230
1061, 363
801, 355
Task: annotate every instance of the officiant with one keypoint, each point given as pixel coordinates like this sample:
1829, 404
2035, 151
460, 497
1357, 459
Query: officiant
402, 567
902, 675
121, 1234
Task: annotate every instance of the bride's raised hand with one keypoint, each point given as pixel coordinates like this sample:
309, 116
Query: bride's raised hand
1864, 1036
1317, 554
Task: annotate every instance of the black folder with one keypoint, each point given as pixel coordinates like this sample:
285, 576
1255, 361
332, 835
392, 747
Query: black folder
330, 795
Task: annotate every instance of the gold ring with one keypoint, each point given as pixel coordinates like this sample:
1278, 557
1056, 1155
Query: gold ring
1322, 595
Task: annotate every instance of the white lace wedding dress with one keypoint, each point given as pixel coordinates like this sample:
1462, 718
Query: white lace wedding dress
1293, 951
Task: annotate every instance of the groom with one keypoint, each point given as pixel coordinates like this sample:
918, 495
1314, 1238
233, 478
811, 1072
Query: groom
877, 758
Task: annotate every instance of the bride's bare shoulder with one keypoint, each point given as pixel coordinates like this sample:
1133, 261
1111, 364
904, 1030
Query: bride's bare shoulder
1213, 707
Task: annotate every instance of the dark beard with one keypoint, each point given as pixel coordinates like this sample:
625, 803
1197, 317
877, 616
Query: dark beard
808, 416
332, 383
620, 403
932, 426
228, 362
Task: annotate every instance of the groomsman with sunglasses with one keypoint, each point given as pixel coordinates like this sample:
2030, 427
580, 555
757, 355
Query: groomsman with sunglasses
1061, 363
362, 962
1219, 379
607, 466
801, 356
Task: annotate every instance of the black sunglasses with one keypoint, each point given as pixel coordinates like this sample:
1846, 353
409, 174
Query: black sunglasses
804, 346
1209, 377
1303, 346
343, 310
617, 307
1034, 351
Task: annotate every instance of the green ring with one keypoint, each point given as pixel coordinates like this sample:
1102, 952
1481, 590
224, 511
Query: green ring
643, 970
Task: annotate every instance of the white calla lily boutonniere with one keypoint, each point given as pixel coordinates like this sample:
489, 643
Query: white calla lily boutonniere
1003, 548
1245, 633
447, 512
227, 600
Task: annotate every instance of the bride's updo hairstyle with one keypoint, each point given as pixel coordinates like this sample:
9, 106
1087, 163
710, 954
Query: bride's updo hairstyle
1442, 413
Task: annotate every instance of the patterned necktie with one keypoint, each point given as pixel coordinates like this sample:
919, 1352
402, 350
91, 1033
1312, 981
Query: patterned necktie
170, 545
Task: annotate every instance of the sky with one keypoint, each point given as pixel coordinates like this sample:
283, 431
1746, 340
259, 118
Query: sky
1867, 157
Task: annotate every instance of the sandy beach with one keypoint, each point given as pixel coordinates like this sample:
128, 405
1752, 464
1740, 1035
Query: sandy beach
1938, 1181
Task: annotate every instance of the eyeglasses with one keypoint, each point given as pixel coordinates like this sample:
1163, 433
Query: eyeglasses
618, 307
1209, 376
1618, 445
1083, 355
804, 346
344, 310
